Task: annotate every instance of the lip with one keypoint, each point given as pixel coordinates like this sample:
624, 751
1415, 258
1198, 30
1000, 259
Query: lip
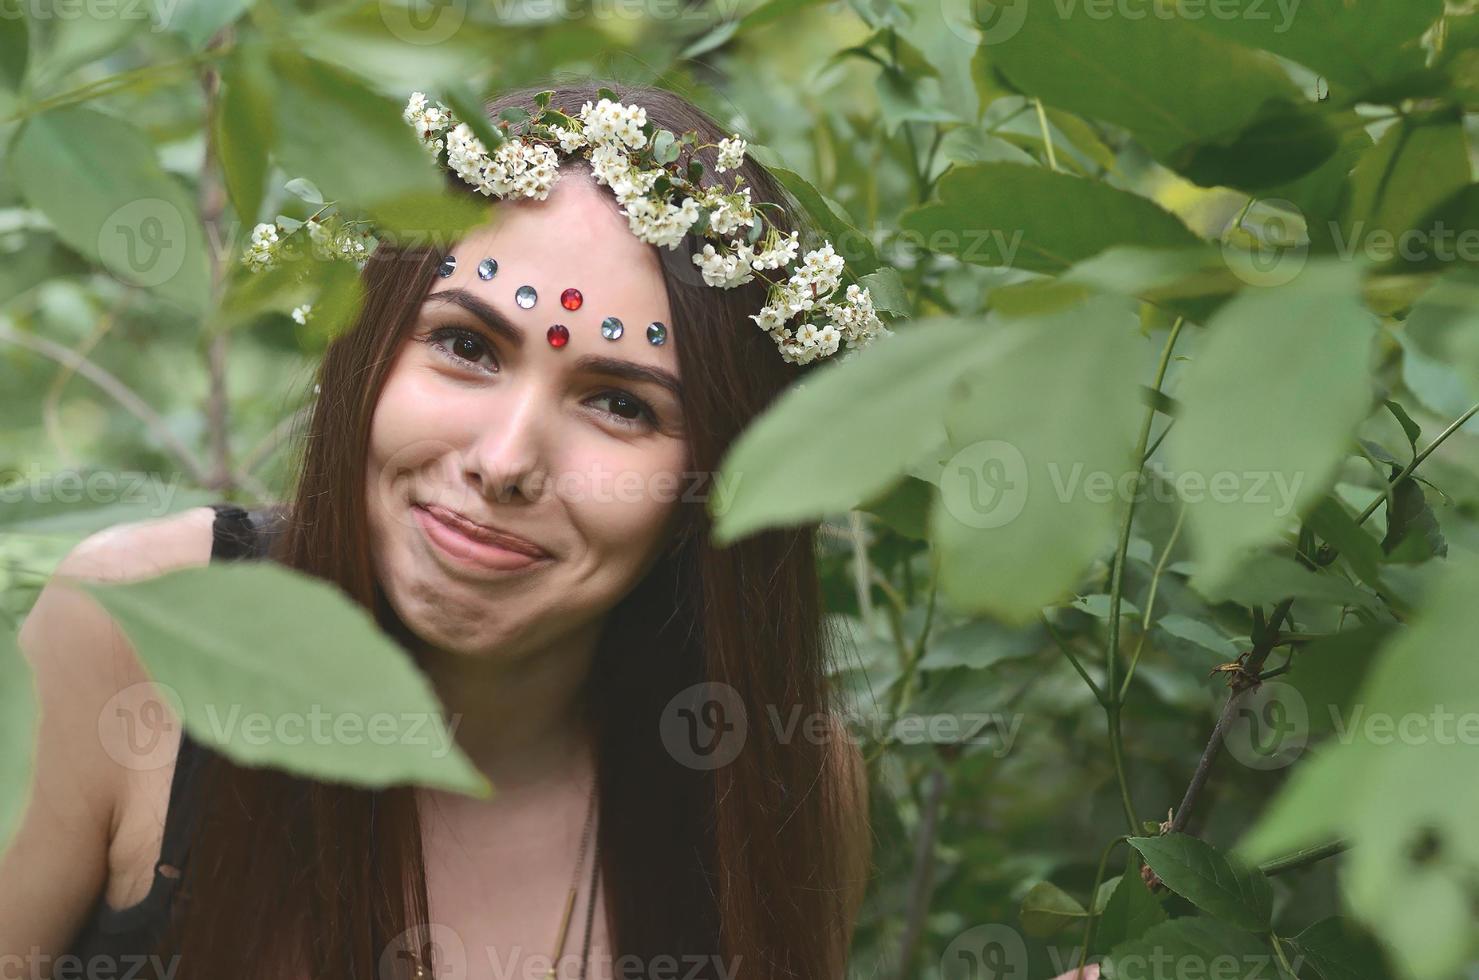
471, 544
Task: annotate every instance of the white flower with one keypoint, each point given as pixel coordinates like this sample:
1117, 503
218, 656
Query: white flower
731, 154
770, 318
609, 121
468, 158
660, 223
261, 253
429, 121
821, 267
725, 271
827, 339
730, 211
779, 253
570, 139
302, 313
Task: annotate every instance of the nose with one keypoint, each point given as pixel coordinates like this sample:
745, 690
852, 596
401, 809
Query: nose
507, 461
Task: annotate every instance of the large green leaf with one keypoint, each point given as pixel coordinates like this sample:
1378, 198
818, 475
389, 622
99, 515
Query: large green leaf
243, 128
1129, 913
312, 687
97, 179
1007, 214
1166, 81
1201, 874
884, 409
1048, 909
1339, 951
1420, 162
347, 139
17, 734
1357, 44
1191, 947
1032, 484
1269, 404
1398, 782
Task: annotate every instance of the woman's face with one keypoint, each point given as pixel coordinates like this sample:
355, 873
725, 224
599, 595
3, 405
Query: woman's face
576, 449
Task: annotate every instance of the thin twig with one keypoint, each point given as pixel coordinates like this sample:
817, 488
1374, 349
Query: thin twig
115, 389
922, 881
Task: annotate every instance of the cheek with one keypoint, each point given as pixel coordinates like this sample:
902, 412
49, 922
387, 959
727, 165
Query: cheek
624, 497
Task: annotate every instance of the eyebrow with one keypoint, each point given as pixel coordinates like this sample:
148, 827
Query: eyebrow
596, 363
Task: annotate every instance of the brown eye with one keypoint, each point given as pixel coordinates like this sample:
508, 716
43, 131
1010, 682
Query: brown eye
463, 347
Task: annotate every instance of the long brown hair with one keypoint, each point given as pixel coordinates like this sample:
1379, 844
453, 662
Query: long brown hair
742, 862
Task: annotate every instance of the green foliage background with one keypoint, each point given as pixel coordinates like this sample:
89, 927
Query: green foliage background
1150, 242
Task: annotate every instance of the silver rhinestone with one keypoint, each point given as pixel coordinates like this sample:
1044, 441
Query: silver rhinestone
656, 332
487, 269
448, 266
611, 328
525, 297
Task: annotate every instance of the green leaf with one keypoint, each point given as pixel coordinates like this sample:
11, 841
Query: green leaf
244, 128
1157, 76
15, 45
1196, 631
305, 690
1048, 909
1264, 579
1005, 214
1130, 912
1271, 400
1398, 783
350, 141
891, 399
1220, 886
1356, 44
1419, 162
1413, 533
1335, 526
1191, 947
197, 21
831, 220
1340, 951
1031, 493
18, 721
887, 289
98, 181
1285, 141
1328, 672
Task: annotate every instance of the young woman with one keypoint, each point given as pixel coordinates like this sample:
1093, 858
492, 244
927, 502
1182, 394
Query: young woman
522, 507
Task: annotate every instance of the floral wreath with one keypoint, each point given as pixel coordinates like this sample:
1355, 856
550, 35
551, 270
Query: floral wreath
661, 200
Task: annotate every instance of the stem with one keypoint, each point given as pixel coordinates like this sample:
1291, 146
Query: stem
922, 881
1093, 926
1300, 859
1047, 138
1407, 470
1067, 652
1262, 646
116, 390
1155, 581
105, 86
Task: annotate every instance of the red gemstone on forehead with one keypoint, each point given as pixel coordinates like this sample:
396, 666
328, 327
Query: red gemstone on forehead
558, 335
571, 299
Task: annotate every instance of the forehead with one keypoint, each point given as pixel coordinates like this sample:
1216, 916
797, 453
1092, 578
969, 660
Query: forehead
574, 239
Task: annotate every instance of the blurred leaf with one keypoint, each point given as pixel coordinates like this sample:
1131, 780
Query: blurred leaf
1203, 634
1048, 909
351, 142
97, 179
200, 632
1339, 951
1198, 872
1327, 672
1198, 943
1029, 497
1031, 218
1336, 527
887, 290
1270, 402
1264, 579
244, 128
1383, 47
1399, 785
848, 241
15, 43
197, 21
891, 398
18, 721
